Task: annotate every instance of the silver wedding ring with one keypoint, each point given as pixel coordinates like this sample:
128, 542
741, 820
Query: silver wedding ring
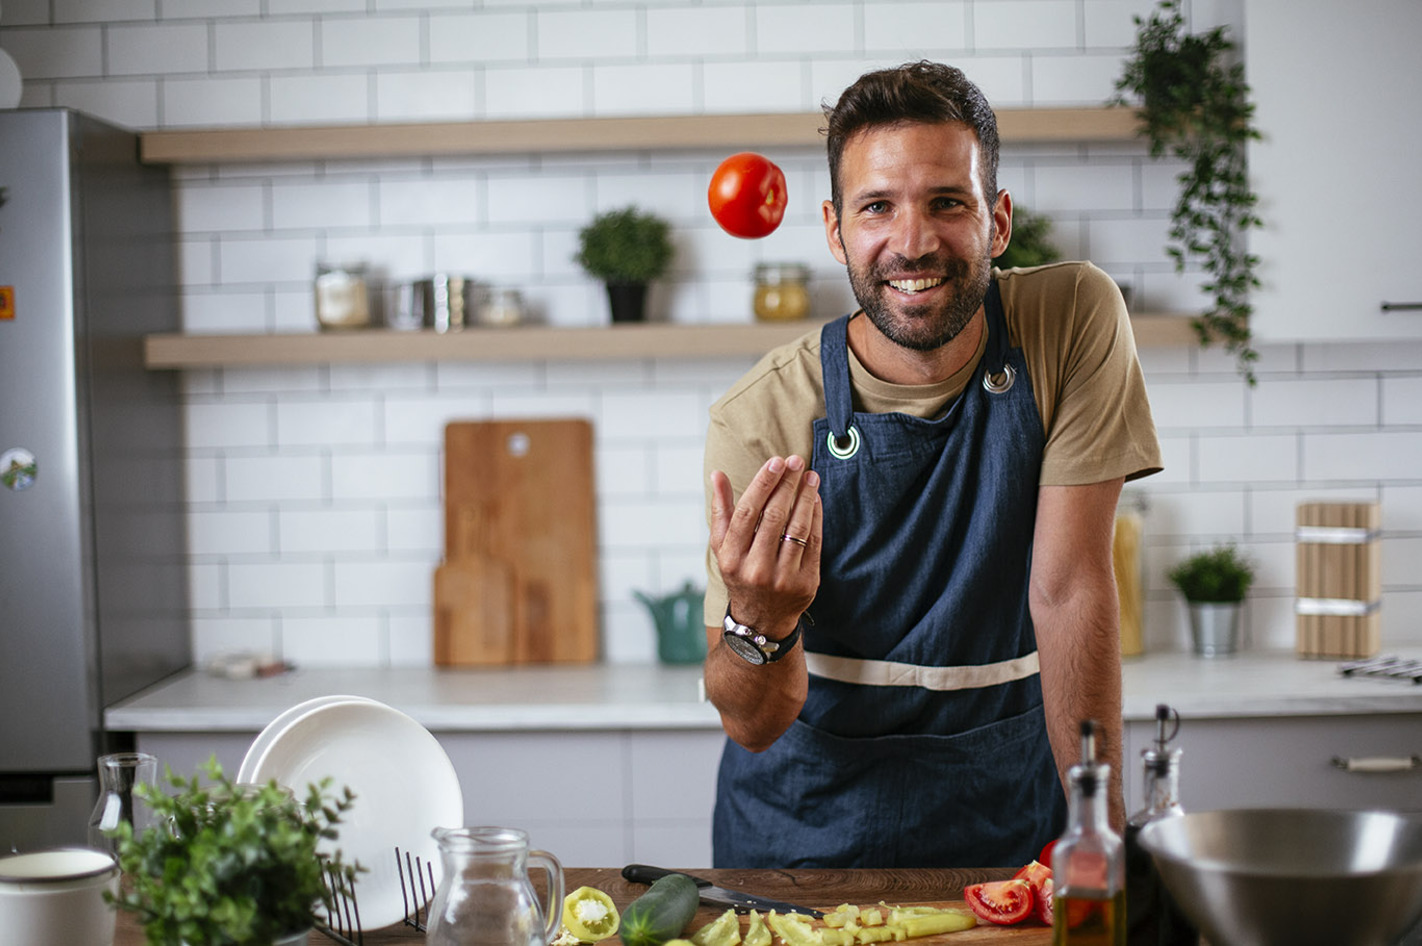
787, 537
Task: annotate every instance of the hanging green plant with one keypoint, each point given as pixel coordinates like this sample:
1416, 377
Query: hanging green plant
1195, 106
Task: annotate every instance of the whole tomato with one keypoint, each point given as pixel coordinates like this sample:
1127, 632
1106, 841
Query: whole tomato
747, 195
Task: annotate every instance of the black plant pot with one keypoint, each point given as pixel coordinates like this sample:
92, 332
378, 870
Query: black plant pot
628, 301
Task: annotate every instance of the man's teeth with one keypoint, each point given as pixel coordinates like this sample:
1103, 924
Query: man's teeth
914, 285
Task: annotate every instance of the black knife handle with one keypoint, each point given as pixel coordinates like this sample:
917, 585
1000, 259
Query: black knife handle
645, 874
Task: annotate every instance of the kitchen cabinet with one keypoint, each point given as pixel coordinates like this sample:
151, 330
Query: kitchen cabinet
589, 797
1285, 761
1335, 171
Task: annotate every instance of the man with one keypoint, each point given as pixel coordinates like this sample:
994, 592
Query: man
907, 628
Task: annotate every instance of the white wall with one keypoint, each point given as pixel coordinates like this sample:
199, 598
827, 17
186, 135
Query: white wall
314, 492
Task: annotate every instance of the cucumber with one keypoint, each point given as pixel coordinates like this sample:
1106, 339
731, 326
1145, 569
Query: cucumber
661, 913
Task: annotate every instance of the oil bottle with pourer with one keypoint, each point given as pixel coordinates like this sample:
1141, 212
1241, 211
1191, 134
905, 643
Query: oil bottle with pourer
1088, 862
1153, 918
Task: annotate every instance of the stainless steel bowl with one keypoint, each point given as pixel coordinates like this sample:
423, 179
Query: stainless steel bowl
1260, 877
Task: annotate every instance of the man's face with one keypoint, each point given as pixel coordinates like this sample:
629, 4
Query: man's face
914, 231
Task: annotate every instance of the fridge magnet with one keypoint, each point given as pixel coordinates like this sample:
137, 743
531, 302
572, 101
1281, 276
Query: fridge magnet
7, 303
17, 469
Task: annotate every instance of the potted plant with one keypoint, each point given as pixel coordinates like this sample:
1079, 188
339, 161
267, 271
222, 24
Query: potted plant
231, 865
1214, 583
1195, 105
626, 249
1031, 243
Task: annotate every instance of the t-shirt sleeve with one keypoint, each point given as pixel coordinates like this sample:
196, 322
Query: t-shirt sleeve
1099, 424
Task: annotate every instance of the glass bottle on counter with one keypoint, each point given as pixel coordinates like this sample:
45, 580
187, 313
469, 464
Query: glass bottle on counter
1153, 918
1088, 862
119, 775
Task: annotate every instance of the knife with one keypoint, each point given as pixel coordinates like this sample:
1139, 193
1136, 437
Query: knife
716, 896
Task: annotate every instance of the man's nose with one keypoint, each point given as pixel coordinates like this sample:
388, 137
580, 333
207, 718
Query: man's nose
914, 234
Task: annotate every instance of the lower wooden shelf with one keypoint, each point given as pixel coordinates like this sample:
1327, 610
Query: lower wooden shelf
524, 343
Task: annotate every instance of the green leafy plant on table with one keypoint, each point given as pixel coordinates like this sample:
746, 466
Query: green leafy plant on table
1195, 105
231, 865
1216, 576
1031, 243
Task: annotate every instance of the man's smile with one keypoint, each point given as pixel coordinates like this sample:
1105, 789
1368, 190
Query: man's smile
915, 285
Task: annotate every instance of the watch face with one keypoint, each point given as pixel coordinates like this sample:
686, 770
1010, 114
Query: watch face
744, 648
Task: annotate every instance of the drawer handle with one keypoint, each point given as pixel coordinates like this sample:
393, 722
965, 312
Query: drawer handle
1379, 763
1401, 306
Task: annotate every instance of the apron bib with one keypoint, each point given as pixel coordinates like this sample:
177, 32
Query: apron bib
922, 742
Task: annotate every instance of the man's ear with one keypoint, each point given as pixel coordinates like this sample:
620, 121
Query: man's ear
1002, 223
832, 235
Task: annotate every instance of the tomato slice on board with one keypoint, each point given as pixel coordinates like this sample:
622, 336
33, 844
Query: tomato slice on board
1036, 874
1003, 902
747, 195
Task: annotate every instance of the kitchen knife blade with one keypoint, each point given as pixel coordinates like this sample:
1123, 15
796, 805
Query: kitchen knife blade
716, 896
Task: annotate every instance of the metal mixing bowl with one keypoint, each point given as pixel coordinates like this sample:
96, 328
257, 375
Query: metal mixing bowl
1261, 877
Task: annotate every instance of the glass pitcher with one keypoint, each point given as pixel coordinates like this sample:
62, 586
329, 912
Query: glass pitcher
485, 897
119, 774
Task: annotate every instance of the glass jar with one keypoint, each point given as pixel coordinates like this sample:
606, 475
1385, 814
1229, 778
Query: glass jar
780, 291
486, 897
1128, 562
502, 307
119, 774
342, 295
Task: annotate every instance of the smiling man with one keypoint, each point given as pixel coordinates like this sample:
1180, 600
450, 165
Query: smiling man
911, 604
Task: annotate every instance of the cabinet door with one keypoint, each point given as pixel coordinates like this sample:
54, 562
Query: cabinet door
1337, 172
1287, 761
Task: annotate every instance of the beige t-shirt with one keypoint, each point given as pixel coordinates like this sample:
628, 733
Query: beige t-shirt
1074, 332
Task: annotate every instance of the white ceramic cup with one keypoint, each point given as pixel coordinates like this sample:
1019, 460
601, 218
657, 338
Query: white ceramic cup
56, 898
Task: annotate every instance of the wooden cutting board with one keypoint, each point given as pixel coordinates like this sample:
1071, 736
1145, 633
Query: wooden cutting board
519, 582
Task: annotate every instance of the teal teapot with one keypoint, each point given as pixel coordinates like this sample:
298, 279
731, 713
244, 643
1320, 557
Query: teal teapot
681, 630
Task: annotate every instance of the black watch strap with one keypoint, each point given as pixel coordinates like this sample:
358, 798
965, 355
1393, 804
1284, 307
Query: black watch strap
754, 647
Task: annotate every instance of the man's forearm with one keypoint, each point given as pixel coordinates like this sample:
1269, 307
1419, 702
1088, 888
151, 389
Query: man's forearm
757, 704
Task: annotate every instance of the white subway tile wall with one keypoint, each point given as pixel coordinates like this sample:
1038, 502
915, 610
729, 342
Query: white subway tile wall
313, 493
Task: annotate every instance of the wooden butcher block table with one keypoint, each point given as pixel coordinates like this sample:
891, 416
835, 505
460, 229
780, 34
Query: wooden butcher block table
824, 889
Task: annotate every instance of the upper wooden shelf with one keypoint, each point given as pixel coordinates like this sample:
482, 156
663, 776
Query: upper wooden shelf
523, 343
220, 145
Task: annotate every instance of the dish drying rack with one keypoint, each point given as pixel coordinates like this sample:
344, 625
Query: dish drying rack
417, 889
1388, 665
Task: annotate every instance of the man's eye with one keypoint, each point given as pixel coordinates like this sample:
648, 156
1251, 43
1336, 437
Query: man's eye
877, 207
947, 203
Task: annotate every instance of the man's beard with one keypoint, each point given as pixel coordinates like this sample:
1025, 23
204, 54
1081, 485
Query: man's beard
922, 327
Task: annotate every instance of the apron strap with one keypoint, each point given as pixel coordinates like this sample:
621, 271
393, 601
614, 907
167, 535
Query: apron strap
834, 365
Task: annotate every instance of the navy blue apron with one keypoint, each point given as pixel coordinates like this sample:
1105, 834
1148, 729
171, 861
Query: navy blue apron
927, 546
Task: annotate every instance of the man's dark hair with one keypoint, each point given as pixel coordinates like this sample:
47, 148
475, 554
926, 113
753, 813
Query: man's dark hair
923, 91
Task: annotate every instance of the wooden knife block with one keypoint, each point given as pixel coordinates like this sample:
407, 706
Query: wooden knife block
1339, 580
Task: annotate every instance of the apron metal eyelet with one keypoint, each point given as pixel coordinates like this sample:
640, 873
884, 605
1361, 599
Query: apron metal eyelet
847, 450
997, 384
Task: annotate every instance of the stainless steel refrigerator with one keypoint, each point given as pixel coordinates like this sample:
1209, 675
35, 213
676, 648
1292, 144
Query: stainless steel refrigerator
92, 577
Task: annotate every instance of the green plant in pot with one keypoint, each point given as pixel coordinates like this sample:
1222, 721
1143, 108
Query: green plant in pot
1031, 243
1194, 104
231, 865
1214, 583
626, 249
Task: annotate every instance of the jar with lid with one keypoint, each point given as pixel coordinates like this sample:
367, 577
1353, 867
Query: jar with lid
342, 295
780, 291
502, 307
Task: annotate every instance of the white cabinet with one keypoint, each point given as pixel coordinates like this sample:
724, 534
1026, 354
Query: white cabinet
593, 798
1335, 88
1285, 761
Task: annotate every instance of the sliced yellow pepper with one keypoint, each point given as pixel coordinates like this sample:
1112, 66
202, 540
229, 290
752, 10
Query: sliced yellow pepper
590, 915
757, 934
725, 930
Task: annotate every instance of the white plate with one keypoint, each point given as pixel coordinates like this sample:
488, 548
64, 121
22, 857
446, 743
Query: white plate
405, 787
284, 719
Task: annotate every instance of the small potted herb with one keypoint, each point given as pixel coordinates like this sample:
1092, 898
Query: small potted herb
1031, 243
626, 249
231, 865
1214, 583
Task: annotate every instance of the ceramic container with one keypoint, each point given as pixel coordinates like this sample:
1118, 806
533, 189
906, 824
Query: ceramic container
56, 897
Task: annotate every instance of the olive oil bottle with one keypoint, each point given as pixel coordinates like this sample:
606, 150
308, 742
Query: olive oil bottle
1088, 863
1153, 916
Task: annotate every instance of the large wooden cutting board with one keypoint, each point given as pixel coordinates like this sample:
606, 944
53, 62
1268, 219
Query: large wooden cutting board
519, 582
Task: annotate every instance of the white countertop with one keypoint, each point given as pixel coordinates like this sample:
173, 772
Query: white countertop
655, 696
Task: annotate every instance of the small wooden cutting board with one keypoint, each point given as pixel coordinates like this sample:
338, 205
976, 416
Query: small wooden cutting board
520, 506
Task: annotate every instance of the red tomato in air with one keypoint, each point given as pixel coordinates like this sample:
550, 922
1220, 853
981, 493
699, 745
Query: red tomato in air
1003, 902
747, 195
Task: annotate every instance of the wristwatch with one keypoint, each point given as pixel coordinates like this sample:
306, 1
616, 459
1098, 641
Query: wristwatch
754, 647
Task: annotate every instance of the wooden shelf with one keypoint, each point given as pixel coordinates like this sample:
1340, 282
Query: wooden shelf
213, 145
526, 343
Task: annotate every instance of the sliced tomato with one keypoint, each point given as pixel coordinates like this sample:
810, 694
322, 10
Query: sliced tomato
1046, 856
1044, 902
1036, 874
1003, 902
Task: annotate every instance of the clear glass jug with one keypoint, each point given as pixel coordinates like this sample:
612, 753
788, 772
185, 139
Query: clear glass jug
119, 774
485, 897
